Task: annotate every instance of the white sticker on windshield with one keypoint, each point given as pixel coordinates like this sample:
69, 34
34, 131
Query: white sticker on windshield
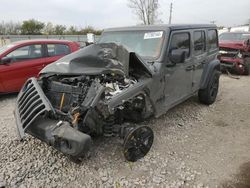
153, 35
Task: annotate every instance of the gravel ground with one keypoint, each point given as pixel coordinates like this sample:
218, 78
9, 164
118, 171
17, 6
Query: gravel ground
195, 146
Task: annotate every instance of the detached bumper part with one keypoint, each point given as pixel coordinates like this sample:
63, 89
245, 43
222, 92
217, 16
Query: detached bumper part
235, 67
31, 114
61, 136
227, 65
31, 103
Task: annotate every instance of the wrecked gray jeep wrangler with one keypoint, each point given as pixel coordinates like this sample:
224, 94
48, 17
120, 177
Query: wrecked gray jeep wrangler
130, 75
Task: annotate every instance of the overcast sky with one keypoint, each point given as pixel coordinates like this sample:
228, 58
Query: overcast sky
112, 13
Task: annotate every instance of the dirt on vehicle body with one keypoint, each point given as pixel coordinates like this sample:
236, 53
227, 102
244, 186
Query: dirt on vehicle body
235, 52
130, 75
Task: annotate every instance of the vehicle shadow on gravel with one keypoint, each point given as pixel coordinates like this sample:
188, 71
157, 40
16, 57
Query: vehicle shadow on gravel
7, 96
114, 145
111, 148
241, 180
192, 105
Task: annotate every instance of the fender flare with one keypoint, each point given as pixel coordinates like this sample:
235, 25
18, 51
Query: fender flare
207, 72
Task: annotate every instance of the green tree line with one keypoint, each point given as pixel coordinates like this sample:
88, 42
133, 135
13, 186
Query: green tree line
35, 27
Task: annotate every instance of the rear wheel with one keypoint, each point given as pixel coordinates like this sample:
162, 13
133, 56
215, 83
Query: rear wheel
209, 94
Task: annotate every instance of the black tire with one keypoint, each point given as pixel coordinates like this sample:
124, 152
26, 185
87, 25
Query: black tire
137, 143
247, 66
208, 95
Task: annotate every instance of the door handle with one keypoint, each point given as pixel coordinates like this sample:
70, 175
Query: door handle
189, 68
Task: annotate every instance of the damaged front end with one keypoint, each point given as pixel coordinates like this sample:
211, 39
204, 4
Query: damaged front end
234, 56
89, 93
232, 60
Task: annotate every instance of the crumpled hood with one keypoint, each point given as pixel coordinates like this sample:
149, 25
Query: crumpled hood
92, 60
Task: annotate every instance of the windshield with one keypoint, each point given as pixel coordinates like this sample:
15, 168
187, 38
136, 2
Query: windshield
6, 47
234, 36
146, 44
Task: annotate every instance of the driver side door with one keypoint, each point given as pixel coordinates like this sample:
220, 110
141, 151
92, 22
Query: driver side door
178, 77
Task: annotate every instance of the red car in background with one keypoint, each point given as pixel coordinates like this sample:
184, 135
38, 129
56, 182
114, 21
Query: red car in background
24, 59
234, 53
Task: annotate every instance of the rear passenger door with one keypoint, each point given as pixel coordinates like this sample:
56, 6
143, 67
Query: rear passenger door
199, 56
55, 51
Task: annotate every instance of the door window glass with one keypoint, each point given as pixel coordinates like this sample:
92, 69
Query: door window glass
181, 41
26, 53
57, 49
212, 39
199, 42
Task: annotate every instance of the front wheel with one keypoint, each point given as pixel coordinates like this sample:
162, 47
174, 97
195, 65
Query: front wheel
137, 143
209, 94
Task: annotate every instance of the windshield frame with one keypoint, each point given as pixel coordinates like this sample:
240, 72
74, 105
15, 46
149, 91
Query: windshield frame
148, 58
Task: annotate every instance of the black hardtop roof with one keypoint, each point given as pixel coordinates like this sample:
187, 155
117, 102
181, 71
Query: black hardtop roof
162, 27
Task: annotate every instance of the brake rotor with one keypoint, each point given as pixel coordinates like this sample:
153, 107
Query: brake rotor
137, 143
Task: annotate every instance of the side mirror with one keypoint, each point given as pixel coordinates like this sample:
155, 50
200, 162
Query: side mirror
5, 60
177, 56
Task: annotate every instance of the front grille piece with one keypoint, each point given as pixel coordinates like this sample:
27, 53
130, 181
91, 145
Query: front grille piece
31, 103
228, 52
